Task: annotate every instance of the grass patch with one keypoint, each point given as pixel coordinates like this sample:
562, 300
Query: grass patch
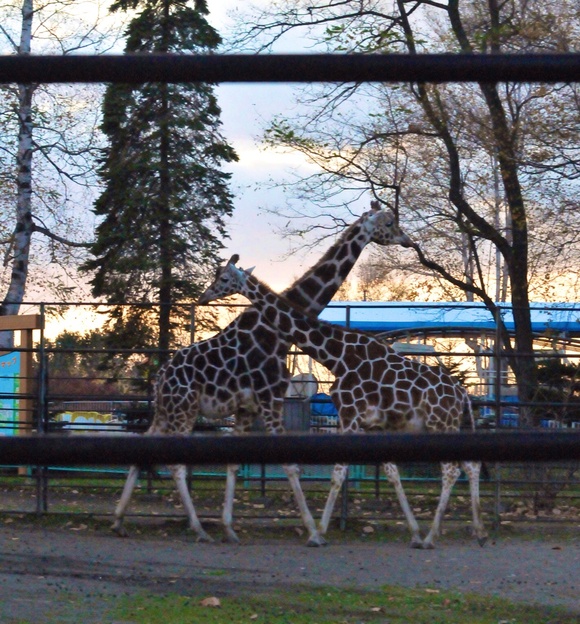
392, 605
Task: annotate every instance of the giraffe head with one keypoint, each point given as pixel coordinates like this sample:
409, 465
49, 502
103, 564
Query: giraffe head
384, 227
228, 280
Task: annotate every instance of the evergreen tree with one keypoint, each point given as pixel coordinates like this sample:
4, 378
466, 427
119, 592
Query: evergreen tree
165, 198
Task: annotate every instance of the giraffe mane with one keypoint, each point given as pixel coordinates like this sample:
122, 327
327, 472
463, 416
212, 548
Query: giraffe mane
312, 317
329, 252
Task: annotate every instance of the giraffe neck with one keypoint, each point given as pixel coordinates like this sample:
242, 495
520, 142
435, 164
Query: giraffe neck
313, 291
322, 341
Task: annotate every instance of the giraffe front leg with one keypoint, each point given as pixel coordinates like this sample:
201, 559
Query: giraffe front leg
394, 478
227, 514
472, 470
338, 476
451, 473
178, 473
118, 526
314, 537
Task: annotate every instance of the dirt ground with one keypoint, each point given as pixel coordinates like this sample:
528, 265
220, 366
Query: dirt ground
40, 566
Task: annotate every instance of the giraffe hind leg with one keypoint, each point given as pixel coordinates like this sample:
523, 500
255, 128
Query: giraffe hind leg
227, 513
472, 470
450, 473
314, 537
393, 477
273, 422
118, 526
338, 476
178, 473
245, 420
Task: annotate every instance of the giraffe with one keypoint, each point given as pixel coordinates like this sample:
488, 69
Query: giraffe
242, 371
375, 389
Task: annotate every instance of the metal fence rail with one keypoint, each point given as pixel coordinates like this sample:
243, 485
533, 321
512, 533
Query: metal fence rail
506, 446
147, 451
135, 68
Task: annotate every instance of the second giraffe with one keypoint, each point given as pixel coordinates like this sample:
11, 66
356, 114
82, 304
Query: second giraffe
375, 389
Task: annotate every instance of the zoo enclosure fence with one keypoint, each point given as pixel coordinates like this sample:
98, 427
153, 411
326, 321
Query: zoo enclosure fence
283, 68
72, 398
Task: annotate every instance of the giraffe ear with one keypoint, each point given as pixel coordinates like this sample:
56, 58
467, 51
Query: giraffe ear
234, 259
250, 270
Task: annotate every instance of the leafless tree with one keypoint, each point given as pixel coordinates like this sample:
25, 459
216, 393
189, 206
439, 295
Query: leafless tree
49, 143
488, 172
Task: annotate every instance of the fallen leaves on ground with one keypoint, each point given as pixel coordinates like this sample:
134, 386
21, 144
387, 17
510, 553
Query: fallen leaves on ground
211, 601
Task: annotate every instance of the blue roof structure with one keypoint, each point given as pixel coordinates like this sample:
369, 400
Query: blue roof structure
416, 317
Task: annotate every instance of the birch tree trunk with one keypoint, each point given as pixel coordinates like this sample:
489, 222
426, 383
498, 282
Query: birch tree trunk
23, 227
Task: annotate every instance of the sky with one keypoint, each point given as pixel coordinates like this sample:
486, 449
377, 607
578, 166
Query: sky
246, 108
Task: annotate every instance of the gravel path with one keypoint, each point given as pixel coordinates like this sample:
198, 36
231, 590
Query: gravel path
37, 565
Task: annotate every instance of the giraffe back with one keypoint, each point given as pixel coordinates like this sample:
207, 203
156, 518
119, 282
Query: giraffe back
375, 387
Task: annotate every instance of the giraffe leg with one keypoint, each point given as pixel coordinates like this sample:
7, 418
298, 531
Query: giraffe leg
227, 514
338, 476
393, 477
244, 422
451, 473
274, 423
118, 526
472, 470
314, 538
178, 473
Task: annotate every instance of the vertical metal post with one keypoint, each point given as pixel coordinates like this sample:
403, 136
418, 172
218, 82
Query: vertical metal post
192, 324
497, 498
42, 418
498, 365
344, 502
498, 414
344, 489
263, 480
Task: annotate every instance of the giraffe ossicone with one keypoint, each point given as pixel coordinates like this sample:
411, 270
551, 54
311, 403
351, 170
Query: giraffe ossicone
375, 389
241, 371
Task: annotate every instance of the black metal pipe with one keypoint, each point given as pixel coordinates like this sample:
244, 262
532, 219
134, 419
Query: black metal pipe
82, 450
139, 68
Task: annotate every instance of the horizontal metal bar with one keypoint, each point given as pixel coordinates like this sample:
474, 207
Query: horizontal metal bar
144, 450
139, 68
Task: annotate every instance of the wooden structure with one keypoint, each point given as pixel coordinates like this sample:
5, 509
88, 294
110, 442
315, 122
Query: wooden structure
25, 324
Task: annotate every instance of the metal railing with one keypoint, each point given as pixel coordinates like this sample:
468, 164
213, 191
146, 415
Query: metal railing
504, 446
148, 451
139, 68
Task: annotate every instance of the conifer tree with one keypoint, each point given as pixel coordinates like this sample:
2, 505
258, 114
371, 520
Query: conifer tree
165, 197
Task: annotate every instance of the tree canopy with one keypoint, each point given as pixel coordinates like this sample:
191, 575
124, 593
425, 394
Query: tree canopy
165, 201
488, 172
47, 150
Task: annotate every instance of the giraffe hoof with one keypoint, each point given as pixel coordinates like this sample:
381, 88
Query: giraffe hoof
482, 540
119, 530
315, 541
428, 546
204, 538
416, 542
231, 538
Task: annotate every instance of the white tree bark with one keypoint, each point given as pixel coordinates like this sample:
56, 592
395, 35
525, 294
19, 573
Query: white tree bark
23, 227
64, 26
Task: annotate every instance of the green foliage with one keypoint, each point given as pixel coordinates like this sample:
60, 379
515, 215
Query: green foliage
558, 394
165, 197
553, 372
75, 365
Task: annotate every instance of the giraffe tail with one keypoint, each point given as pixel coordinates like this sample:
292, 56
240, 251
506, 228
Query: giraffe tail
468, 421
